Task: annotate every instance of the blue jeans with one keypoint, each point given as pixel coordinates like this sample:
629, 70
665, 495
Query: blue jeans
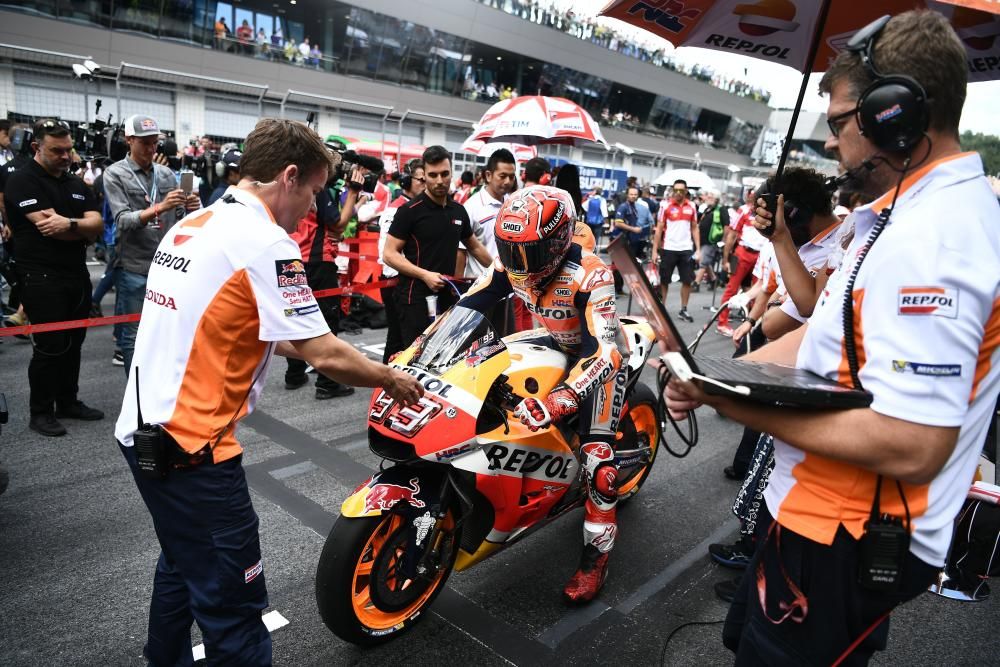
130, 290
209, 569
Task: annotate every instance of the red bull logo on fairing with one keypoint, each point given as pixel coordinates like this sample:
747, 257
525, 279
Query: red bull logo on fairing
383, 496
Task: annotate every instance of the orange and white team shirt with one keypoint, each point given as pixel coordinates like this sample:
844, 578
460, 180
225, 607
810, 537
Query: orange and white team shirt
814, 254
927, 326
746, 232
225, 284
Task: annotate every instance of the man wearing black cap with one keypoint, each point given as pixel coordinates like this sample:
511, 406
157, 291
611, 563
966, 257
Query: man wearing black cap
230, 174
145, 203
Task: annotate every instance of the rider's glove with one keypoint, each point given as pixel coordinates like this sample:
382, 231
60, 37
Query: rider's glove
535, 414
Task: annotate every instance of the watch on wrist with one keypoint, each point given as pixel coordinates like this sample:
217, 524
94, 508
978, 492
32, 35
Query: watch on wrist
752, 322
72, 224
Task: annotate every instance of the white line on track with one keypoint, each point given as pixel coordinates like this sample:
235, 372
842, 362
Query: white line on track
272, 620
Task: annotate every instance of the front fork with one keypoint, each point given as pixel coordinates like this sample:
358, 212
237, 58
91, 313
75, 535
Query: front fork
427, 534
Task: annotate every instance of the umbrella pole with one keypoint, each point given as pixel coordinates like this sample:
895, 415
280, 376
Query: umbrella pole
813, 48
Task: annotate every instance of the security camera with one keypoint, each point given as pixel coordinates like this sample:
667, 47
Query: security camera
81, 72
92, 66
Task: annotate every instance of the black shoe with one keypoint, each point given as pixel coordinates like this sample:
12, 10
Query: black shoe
732, 473
685, 315
118, 359
696, 287
295, 382
47, 425
726, 590
336, 391
731, 555
79, 410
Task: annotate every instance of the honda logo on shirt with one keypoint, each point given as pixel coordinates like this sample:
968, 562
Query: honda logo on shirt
939, 301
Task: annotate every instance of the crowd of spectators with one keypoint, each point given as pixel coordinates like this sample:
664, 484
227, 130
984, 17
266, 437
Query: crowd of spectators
273, 47
561, 16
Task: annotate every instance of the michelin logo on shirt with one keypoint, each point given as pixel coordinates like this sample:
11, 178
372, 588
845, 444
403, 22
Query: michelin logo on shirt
933, 370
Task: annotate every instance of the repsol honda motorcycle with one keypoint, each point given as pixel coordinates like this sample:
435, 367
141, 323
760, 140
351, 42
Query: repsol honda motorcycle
467, 479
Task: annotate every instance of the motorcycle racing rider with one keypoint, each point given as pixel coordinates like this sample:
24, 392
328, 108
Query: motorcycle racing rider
572, 293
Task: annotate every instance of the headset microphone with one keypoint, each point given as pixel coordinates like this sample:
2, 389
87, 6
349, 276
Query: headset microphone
852, 176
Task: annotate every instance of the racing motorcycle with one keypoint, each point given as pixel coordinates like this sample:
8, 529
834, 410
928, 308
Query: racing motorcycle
467, 479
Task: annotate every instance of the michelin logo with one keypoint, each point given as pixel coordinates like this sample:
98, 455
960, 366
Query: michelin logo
934, 370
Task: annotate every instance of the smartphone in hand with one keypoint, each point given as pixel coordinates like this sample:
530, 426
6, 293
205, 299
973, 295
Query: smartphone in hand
187, 182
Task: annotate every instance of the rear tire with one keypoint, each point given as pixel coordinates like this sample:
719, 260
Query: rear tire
357, 554
640, 419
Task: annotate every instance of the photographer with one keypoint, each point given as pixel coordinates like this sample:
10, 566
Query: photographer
863, 500
53, 217
230, 174
145, 202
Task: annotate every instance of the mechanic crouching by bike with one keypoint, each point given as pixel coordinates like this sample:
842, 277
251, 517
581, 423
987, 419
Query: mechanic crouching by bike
572, 293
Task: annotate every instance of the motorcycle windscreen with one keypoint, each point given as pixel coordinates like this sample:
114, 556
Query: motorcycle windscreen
456, 334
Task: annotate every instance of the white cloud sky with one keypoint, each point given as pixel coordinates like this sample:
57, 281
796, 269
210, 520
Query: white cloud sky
783, 82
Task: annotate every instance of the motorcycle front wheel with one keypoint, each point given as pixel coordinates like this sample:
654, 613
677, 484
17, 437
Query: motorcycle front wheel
362, 598
639, 426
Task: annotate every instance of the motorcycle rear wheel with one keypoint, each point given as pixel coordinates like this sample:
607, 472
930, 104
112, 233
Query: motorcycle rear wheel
642, 417
358, 555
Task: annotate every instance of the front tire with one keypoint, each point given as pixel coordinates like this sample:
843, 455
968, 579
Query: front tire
358, 562
639, 424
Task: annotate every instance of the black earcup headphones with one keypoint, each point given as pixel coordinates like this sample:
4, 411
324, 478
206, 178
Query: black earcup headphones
893, 112
406, 180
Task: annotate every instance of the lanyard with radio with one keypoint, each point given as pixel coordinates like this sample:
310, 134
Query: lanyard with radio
150, 195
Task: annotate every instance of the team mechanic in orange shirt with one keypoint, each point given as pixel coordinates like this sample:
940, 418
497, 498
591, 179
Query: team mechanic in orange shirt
229, 289
919, 288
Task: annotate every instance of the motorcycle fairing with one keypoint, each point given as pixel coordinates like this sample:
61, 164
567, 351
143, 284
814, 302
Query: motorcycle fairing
386, 488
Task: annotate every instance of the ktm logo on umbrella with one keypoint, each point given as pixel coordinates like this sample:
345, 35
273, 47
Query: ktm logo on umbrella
766, 17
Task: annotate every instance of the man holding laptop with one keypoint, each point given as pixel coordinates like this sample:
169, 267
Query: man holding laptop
863, 500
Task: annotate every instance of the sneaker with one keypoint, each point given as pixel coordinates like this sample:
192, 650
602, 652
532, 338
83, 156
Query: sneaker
696, 287
295, 381
336, 391
79, 410
118, 359
586, 582
734, 555
47, 425
685, 315
724, 330
726, 590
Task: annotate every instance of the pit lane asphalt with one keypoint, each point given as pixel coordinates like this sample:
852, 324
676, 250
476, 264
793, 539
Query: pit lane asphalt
77, 549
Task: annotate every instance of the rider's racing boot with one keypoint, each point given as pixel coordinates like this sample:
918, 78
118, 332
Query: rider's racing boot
599, 525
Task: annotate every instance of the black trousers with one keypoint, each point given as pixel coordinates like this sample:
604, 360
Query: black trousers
321, 275
840, 610
54, 370
393, 336
414, 318
741, 460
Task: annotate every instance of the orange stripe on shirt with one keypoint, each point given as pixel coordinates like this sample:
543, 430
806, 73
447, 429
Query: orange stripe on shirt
910, 180
225, 352
991, 339
844, 370
921, 290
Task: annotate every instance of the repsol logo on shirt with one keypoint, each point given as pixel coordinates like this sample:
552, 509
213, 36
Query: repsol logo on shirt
538, 464
175, 262
937, 301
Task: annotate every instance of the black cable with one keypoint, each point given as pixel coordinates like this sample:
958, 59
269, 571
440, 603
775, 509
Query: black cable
663, 415
663, 653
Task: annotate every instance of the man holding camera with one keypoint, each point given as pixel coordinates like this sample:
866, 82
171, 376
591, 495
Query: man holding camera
53, 216
863, 500
145, 202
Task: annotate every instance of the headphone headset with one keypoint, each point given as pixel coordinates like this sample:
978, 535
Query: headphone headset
406, 179
893, 112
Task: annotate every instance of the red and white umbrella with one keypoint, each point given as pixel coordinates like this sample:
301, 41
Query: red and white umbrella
521, 152
535, 119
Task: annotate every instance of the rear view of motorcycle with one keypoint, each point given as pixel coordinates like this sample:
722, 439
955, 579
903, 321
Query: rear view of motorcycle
461, 478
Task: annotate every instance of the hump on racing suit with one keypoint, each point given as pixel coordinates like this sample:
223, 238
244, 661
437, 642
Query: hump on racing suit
576, 307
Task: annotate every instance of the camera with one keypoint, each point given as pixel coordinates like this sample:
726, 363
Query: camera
349, 160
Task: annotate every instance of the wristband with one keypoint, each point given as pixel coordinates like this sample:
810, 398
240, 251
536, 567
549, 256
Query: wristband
72, 224
752, 322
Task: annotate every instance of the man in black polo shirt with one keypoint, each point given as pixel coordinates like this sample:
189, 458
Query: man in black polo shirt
423, 246
53, 216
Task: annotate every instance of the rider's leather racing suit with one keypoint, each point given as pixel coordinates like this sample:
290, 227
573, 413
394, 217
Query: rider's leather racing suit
577, 308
